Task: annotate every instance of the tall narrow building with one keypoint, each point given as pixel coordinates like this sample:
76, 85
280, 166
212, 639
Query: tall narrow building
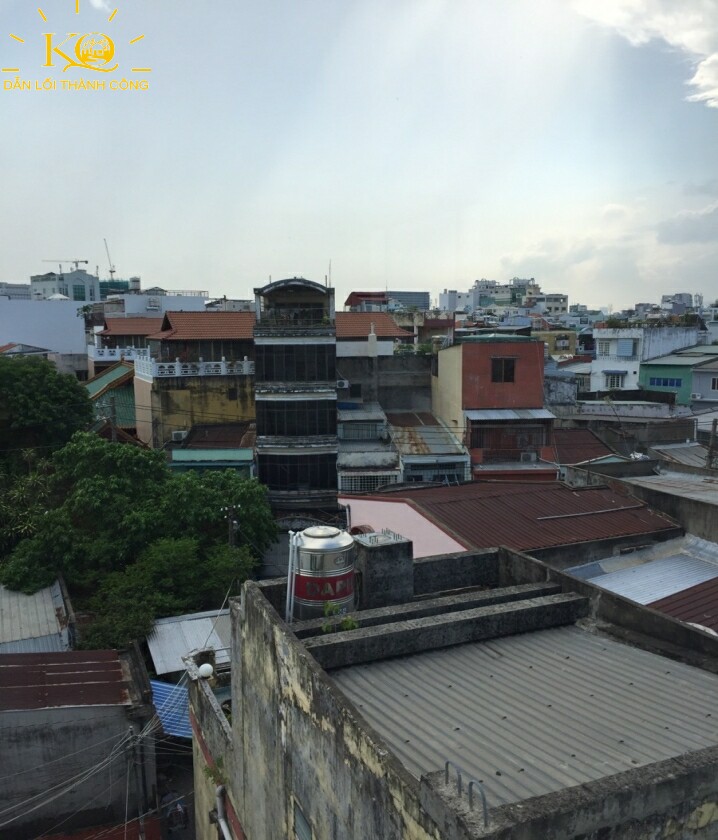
296, 396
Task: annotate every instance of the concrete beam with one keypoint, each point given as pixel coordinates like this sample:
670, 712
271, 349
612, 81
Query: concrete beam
403, 638
433, 606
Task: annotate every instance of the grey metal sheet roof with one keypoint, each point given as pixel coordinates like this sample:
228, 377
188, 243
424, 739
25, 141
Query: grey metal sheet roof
509, 414
172, 638
690, 454
33, 623
365, 412
537, 712
658, 579
702, 488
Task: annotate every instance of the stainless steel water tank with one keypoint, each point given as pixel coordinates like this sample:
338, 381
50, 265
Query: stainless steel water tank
324, 571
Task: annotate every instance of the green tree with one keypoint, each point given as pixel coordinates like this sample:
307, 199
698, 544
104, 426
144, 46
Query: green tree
39, 407
118, 524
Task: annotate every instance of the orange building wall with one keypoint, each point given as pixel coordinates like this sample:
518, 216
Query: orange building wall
478, 391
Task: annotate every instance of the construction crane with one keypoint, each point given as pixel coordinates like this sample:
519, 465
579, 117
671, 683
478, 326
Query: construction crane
109, 260
60, 262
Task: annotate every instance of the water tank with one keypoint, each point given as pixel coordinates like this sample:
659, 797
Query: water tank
324, 572
134, 284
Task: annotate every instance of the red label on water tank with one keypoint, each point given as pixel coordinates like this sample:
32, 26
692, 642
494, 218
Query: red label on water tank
324, 588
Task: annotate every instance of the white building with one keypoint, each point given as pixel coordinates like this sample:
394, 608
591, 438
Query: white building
619, 352
76, 285
153, 306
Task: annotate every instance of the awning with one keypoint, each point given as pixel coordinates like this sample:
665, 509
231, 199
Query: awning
615, 372
511, 414
172, 707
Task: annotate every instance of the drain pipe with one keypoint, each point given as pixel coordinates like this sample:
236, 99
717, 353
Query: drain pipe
222, 813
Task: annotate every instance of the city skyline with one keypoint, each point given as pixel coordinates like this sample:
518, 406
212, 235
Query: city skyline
419, 146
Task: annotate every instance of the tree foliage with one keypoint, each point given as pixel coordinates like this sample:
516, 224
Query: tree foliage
39, 407
133, 540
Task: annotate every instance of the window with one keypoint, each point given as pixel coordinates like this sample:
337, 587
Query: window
358, 483
355, 391
503, 370
298, 472
296, 417
302, 829
78, 292
295, 363
614, 380
604, 348
714, 383
665, 382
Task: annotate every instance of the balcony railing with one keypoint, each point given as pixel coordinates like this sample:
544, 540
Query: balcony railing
600, 357
114, 354
149, 369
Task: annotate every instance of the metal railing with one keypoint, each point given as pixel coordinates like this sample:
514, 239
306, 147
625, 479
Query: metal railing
149, 369
470, 789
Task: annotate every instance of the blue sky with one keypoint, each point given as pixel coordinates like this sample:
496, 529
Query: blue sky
415, 144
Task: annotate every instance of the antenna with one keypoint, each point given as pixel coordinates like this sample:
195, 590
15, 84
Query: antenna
329, 276
109, 260
60, 262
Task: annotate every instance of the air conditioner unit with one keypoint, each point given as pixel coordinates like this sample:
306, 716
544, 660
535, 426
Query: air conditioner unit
178, 437
342, 384
696, 396
528, 457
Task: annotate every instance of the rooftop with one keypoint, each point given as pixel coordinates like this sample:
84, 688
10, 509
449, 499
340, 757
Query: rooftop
111, 377
131, 326
33, 623
72, 678
420, 433
690, 454
194, 326
697, 604
532, 515
221, 436
358, 325
536, 712
173, 638
575, 446
700, 488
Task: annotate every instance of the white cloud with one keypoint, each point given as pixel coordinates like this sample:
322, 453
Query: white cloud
690, 226
690, 26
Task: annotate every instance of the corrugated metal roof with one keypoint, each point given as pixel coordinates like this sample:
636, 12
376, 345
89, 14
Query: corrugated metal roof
172, 707
420, 433
33, 623
109, 377
173, 638
537, 712
510, 414
529, 515
696, 605
221, 436
702, 488
648, 582
689, 454
71, 678
574, 446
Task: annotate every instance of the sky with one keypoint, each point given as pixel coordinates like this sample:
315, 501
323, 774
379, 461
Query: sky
411, 144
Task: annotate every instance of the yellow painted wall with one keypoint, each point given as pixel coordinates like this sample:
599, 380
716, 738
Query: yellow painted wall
446, 389
177, 403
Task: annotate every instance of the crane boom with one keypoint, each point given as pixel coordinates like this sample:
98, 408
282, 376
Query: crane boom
109, 260
76, 262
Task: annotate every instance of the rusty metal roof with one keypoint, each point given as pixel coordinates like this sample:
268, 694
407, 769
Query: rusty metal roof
696, 605
574, 446
420, 433
242, 435
528, 515
72, 678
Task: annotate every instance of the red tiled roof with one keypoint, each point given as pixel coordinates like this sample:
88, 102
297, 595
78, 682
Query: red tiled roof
193, 326
573, 446
358, 325
131, 326
698, 604
530, 515
71, 678
5, 347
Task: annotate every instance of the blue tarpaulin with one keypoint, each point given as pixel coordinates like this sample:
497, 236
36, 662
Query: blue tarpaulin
172, 705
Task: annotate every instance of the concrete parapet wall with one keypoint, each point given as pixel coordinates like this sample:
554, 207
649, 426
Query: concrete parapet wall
676, 798
444, 572
403, 638
433, 606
